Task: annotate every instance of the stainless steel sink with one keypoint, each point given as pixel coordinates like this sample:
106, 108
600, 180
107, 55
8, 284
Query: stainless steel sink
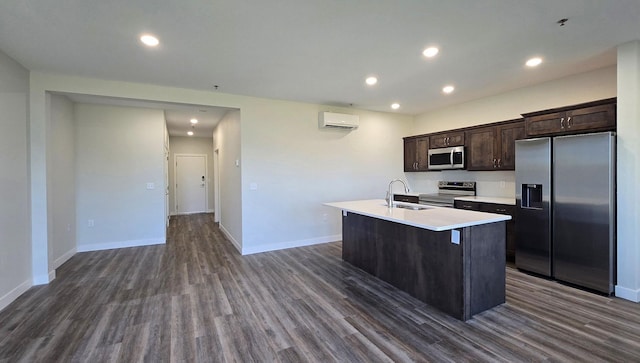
411, 206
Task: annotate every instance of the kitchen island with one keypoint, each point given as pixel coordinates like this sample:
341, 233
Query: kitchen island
451, 259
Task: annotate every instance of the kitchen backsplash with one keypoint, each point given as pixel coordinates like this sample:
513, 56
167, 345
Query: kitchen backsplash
488, 183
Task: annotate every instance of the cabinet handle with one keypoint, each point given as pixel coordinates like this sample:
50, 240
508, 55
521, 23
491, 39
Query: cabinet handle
569, 122
499, 162
501, 210
466, 207
562, 123
495, 163
415, 165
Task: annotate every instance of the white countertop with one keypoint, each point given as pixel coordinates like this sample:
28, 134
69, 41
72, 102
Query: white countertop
494, 200
433, 218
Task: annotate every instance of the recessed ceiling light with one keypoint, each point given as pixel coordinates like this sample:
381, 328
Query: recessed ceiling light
190, 133
395, 106
194, 121
534, 62
371, 80
430, 52
448, 89
149, 40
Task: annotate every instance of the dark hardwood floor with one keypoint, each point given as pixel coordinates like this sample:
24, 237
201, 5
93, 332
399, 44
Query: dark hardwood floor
196, 299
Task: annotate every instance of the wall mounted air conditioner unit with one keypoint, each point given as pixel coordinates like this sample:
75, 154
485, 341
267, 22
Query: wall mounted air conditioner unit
341, 120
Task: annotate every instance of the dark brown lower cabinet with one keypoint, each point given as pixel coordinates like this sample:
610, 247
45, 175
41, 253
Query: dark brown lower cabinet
461, 279
498, 209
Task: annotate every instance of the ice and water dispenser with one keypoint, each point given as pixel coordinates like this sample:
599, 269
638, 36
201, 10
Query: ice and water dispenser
532, 196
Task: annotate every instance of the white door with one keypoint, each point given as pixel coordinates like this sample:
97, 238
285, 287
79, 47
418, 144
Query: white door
166, 185
191, 184
216, 185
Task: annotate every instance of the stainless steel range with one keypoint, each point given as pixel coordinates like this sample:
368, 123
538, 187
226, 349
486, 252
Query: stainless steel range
447, 191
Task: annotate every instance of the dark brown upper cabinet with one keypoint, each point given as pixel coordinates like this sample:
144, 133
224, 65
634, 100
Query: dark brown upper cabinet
416, 151
493, 147
446, 139
585, 117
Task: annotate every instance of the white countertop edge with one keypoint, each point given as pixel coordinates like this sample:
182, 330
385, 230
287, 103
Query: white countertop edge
413, 217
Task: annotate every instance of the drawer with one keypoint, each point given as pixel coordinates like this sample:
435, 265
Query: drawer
498, 209
406, 198
464, 204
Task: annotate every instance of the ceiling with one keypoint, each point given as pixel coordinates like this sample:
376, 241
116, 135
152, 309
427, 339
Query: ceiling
177, 115
321, 51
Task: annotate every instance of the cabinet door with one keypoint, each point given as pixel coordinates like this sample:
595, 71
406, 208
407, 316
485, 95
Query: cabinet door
455, 139
410, 147
510, 225
422, 154
547, 124
481, 149
447, 139
594, 118
507, 136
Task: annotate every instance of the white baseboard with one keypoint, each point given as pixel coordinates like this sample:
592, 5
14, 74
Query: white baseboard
44, 279
291, 244
190, 213
230, 238
627, 293
64, 258
9, 297
120, 244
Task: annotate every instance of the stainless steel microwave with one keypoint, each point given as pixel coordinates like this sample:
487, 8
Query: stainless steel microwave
446, 158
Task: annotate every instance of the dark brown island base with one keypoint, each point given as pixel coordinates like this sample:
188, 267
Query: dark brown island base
451, 259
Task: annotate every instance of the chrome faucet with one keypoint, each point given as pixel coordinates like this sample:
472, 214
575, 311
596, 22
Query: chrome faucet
390, 192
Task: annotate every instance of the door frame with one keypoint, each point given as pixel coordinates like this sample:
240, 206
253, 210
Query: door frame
216, 185
175, 180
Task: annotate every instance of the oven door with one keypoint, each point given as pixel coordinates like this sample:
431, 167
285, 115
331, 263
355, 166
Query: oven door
446, 158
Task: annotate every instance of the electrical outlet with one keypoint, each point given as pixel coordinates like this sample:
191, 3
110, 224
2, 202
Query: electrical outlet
90, 223
455, 236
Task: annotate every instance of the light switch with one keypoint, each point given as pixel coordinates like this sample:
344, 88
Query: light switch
253, 186
237, 162
455, 236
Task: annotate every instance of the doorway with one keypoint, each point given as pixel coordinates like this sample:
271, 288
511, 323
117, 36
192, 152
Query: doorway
191, 183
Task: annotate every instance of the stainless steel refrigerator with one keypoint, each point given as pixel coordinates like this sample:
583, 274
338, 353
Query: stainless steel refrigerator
566, 213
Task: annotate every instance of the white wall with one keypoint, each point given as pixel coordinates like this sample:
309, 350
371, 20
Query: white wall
226, 140
296, 167
628, 171
190, 145
62, 200
15, 245
579, 88
119, 151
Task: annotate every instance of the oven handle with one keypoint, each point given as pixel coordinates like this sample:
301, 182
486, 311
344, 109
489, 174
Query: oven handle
451, 157
436, 204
